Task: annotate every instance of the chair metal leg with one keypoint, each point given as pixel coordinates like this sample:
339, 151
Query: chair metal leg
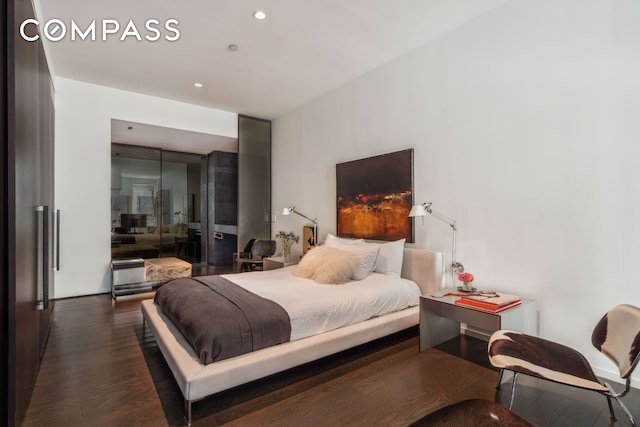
613, 416
513, 389
626, 411
500, 379
617, 396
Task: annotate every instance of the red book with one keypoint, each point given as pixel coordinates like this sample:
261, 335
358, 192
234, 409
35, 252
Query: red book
497, 299
462, 302
483, 304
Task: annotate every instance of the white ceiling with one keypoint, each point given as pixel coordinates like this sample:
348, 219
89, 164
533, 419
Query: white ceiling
303, 49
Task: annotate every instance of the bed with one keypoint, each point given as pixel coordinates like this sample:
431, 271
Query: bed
197, 380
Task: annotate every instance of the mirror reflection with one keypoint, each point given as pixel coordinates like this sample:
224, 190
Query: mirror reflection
155, 203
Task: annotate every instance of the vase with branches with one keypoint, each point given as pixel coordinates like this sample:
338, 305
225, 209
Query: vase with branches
287, 240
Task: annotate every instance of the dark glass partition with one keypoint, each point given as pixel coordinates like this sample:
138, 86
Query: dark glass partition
155, 203
254, 179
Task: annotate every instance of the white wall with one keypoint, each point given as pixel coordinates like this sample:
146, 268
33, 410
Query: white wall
83, 170
526, 129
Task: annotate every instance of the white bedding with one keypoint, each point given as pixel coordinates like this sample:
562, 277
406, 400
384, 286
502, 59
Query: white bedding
315, 308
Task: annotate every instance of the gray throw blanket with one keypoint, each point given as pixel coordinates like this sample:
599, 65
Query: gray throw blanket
221, 319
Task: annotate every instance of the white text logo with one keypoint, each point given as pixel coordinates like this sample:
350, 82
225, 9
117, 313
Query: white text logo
55, 30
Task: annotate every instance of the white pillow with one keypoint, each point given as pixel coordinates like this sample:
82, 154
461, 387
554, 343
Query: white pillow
367, 256
390, 257
326, 265
332, 240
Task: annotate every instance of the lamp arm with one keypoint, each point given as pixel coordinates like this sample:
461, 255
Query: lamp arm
305, 216
315, 225
456, 267
443, 218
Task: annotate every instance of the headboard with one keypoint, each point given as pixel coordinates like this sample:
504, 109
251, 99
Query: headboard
424, 267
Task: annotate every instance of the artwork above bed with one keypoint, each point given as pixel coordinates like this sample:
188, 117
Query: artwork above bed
374, 197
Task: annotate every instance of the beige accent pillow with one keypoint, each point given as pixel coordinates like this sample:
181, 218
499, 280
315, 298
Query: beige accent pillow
327, 265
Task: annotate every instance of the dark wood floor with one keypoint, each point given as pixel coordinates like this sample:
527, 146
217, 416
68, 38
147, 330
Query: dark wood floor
99, 369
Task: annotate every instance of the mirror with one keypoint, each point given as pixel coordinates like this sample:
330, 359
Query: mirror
155, 203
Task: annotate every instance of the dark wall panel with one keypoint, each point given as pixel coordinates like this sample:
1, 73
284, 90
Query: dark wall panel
222, 198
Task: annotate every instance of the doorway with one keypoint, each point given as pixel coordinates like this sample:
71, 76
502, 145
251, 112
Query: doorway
159, 192
155, 203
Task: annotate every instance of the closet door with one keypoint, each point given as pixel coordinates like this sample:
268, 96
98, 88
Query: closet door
46, 199
28, 221
4, 216
29, 186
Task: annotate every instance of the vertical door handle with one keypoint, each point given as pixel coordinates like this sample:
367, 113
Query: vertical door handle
42, 246
57, 240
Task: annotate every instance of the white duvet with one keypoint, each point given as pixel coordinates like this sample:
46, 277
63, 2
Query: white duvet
315, 308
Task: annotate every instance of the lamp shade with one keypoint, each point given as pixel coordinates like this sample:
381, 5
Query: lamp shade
418, 210
287, 211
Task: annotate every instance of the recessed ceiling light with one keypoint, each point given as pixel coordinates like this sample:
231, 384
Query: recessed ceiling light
196, 84
232, 47
258, 14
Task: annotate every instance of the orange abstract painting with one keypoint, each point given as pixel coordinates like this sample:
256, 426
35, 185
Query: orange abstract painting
374, 197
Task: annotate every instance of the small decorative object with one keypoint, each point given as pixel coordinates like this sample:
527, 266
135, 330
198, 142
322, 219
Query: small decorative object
308, 238
466, 279
287, 239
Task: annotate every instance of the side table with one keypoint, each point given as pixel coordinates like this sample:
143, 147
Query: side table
275, 262
440, 318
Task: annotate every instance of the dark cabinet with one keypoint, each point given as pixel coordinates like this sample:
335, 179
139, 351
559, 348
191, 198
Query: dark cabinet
27, 232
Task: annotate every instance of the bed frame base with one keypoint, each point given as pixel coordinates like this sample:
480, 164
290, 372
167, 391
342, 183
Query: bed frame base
198, 381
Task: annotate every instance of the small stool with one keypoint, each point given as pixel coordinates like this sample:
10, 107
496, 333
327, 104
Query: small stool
165, 269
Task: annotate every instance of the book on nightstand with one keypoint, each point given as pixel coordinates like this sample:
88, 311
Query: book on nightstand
494, 299
489, 308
